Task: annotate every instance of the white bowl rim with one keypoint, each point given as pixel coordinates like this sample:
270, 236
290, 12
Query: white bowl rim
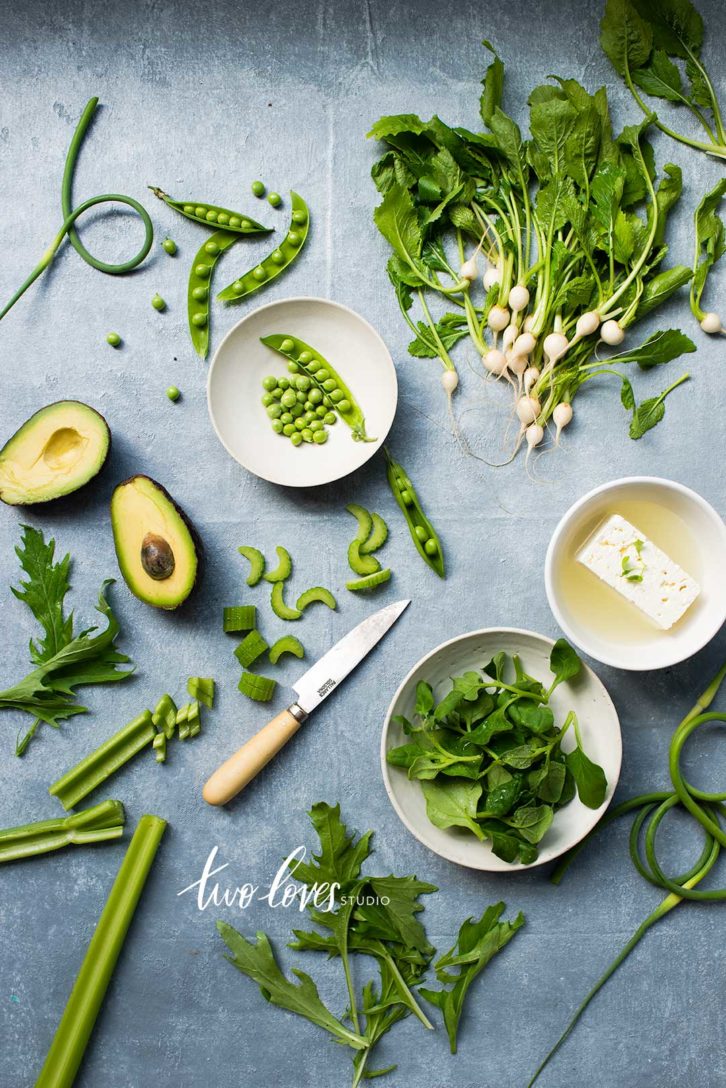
267, 306
523, 631
699, 641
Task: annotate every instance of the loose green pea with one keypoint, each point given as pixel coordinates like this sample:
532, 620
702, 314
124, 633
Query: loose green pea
293, 368
343, 406
308, 406
277, 426
234, 220
287, 346
270, 382
406, 498
274, 411
258, 188
200, 212
158, 303
305, 357
299, 216
287, 417
223, 218
320, 437
189, 209
330, 386
169, 246
277, 393
321, 411
322, 375
277, 256
201, 294
316, 425
202, 270
173, 393
284, 383
296, 438
288, 398
301, 397
309, 417
296, 410
336, 395
300, 424
113, 339
303, 383
294, 238
259, 273
211, 248
431, 547
307, 435
211, 216
288, 429
200, 320
268, 399
275, 199
330, 418
421, 533
315, 396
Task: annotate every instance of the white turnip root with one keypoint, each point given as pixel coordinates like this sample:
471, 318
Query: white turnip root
587, 324
528, 408
518, 299
711, 323
611, 333
469, 270
531, 375
498, 318
561, 416
495, 361
491, 277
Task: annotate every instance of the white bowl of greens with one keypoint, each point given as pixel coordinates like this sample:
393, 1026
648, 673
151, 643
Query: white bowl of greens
487, 738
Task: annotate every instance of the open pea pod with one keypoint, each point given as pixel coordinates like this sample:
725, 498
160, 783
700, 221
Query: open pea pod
277, 261
200, 278
422, 531
307, 360
211, 215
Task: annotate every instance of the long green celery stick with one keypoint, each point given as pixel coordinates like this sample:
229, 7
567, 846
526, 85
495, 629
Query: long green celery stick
79, 1016
87, 775
100, 823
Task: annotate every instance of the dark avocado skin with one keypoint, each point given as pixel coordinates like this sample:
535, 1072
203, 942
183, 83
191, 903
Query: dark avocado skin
39, 414
197, 543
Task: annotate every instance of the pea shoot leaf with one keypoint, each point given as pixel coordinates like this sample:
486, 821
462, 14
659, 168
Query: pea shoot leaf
565, 663
453, 804
589, 778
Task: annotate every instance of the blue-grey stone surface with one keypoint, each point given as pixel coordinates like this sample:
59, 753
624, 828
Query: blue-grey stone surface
201, 99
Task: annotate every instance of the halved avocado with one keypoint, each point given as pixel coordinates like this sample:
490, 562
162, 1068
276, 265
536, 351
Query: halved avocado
56, 451
155, 543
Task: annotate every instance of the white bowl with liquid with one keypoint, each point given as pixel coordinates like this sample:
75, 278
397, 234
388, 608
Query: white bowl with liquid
602, 623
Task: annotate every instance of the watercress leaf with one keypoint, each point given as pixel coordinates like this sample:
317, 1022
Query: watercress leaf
550, 783
676, 25
492, 86
660, 347
341, 852
256, 959
472, 711
507, 843
497, 722
453, 804
522, 756
538, 719
424, 699
625, 37
660, 78
589, 778
470, 684
403, 722
397, 220
661, 287
500, 800
565, 663
532, 821
448, 704
569, 789
496, 666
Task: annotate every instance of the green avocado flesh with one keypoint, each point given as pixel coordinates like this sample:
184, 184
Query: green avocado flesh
56, 451
154, 543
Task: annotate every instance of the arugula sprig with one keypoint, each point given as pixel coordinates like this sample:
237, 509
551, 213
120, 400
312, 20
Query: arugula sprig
376, 917
63, 661
489, 755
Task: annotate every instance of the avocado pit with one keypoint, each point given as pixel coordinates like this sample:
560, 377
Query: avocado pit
157, 557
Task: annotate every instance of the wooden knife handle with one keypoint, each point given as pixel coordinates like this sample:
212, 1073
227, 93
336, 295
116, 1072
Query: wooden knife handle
234, 774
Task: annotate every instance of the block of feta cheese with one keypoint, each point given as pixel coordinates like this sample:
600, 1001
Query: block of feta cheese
622, 557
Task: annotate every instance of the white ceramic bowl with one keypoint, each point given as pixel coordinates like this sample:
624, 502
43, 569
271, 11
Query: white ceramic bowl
234, 390
585, 695
706, 562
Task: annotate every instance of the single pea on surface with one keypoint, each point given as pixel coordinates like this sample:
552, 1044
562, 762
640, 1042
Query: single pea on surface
114, 340
158, 303
169, 246
258, 188
274, 199
173, 393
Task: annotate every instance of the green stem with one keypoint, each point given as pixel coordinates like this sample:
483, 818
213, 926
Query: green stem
100, 823
100, 764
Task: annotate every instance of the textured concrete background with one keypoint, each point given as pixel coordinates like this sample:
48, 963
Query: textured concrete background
201, 100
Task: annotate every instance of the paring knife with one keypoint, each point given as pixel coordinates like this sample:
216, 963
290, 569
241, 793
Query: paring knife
314, 686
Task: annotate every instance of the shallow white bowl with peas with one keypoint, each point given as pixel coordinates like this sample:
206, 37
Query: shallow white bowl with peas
291, 413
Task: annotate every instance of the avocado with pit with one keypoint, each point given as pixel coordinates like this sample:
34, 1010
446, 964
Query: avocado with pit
156, 546
55, 452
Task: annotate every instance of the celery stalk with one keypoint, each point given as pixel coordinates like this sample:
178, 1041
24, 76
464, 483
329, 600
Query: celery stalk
97, 824
83, 1006
87, 775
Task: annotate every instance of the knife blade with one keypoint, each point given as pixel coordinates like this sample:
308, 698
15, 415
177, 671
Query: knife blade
311, 689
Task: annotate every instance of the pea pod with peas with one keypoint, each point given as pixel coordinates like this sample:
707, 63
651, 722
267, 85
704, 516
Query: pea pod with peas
422, 531
306, 361
210, 215
277, 261
200, 277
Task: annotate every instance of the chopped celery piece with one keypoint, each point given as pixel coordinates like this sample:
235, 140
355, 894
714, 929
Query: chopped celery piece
257, 564
239, 618
288, 644
370, 582
259, 688
283, 569
252, 646
100, 823
319, 595
82, 779
202, 688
